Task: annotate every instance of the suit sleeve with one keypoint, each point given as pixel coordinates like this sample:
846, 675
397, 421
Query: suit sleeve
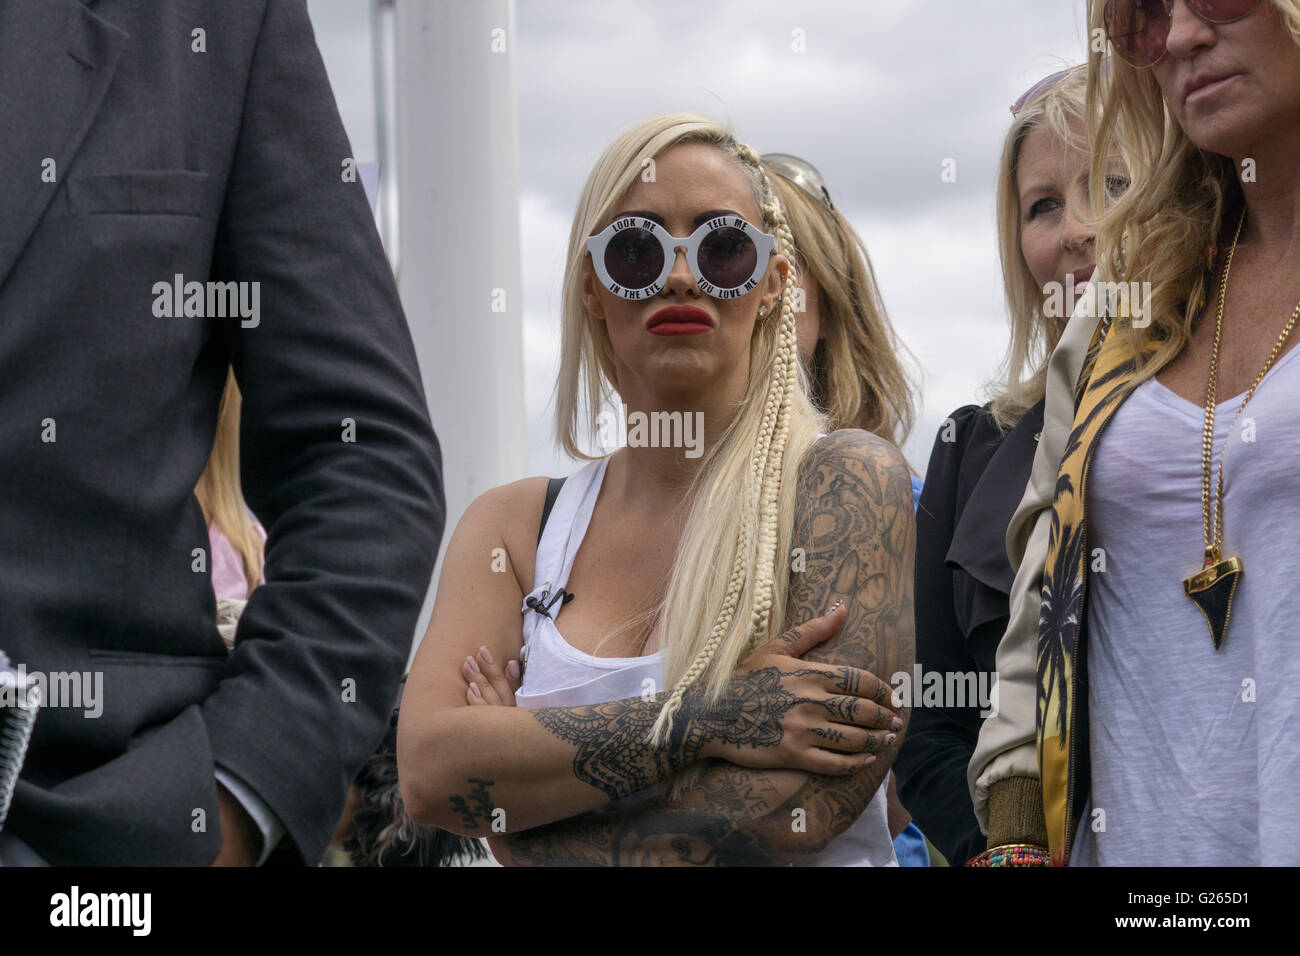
339, 459
931, 768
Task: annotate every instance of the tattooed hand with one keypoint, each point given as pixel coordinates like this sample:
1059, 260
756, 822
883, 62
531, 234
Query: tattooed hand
780, 711
487, 682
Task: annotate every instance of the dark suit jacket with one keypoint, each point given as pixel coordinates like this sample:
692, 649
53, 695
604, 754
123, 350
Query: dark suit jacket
216, 165
963, 584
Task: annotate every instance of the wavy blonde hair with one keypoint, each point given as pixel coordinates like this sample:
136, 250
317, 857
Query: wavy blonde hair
726, 590
1159, 232
857, 371
219, 492
1022, 377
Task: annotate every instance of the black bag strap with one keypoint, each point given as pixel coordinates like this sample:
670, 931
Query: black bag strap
552, 492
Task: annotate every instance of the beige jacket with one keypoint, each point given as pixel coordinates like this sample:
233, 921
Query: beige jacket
1007, 744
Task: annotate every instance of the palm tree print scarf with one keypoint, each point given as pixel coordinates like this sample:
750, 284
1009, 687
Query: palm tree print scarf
1109, 371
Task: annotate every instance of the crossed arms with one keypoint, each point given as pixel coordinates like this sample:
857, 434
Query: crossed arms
854, 522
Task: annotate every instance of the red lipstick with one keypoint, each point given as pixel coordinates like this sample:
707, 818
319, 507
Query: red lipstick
679, 320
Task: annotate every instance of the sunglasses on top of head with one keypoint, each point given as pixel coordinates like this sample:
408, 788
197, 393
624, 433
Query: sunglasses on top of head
633, 256
1139, 29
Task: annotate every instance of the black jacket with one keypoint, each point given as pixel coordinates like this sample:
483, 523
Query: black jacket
129, 156
973, 484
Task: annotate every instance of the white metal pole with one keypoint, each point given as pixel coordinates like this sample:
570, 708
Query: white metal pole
458, 231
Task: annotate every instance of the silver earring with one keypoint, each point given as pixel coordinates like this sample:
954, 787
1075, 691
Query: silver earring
762, 310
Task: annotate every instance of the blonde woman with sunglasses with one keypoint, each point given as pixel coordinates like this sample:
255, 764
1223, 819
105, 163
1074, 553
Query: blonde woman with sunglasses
691, 675
1165, 665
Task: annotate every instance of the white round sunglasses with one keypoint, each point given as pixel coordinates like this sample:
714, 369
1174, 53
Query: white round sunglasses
727, 255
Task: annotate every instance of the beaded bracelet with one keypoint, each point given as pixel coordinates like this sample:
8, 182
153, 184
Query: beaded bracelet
1012, 854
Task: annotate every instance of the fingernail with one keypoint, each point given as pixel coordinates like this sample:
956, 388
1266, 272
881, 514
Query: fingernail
513, 670
831, 609
871, 758
473, 689
487, 657
473, 665
896, 724
889, 739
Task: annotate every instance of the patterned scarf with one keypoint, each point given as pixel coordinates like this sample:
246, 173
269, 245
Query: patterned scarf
1109, 371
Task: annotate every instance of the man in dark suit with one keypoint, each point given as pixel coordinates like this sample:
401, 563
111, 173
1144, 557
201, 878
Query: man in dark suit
178, 144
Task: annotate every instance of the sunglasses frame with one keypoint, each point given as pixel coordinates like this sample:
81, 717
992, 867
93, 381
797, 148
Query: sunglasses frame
800, 172
764, 245
1041, 87
1166, 6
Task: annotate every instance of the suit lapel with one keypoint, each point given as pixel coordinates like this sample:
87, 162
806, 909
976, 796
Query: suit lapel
57, 59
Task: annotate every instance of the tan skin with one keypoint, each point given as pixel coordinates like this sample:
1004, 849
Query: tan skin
1254, 113
446, 746
241, 840
1052, 180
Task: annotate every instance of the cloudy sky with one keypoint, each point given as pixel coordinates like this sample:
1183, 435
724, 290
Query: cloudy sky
879, 96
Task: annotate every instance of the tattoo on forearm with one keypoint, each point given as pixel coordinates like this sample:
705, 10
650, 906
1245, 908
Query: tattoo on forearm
712, 826
613, 755
474, 809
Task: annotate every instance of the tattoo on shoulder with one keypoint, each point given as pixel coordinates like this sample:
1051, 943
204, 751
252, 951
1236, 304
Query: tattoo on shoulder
855, 525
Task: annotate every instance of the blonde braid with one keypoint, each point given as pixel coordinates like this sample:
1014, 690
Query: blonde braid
785, 379
764, 475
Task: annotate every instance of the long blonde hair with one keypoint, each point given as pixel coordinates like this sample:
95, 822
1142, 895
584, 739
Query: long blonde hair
1159, 232
857, 372
219, 492
1022, 377
726, 591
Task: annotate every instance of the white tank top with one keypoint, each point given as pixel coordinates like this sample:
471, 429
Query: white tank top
556, 674
1194, 757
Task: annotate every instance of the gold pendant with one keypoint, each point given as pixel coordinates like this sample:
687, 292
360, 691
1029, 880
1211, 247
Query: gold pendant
1212, 589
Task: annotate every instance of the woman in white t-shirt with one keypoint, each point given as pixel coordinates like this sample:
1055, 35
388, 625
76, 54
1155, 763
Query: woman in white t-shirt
671, 712
1166, 672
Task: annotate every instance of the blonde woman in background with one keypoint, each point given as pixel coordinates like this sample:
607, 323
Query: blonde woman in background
693, 654
1165, 722
847, 344
235, 538
982, 455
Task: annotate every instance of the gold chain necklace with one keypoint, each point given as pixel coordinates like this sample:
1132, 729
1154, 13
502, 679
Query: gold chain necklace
1213, 588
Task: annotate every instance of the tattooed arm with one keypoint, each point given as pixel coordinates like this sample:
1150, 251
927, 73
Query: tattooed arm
854, 521
474, 770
